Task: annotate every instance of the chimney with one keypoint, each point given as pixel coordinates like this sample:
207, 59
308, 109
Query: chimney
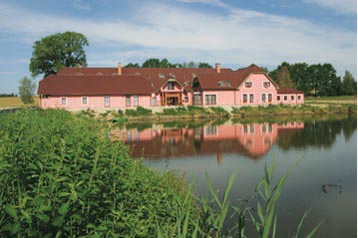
119, 69
217, 68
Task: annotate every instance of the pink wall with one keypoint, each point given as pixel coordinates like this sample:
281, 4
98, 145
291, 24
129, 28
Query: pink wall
226, 97
93, 102
257, 89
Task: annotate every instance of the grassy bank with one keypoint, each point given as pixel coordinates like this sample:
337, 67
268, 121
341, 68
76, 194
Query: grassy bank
60, 176
216, 113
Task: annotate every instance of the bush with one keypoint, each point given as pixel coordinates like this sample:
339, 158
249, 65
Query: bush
60, 177
139, 111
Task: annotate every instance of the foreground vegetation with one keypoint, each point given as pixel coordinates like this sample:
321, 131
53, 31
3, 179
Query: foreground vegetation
60, 176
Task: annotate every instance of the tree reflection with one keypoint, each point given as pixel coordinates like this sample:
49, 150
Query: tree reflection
321, 134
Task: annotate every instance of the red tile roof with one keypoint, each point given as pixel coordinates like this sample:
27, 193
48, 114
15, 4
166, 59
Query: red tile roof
285, 90
94, 85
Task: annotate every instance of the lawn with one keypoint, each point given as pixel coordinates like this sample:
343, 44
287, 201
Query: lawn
10, 102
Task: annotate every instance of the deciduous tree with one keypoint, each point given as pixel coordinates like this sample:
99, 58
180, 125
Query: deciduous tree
349, 84
56, 51
26, 90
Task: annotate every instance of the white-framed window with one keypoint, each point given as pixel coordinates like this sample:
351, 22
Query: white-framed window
285, 98
263, 128
211, 130
128, 100
278, 98
299, 97
269, 97
245, 128
170, 85
210, 99
154, 102
84, 100
135, 100
106, 101
292, 97
263, 97
63, 100
244, 98
248, 84
251, 98
252, 128
266, 84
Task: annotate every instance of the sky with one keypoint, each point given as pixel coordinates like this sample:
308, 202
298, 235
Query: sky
235, 33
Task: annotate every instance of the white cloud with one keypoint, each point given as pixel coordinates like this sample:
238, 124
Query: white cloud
339, 6
212, 2
241, 37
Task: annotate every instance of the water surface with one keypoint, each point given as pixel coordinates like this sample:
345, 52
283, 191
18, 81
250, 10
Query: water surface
325, 180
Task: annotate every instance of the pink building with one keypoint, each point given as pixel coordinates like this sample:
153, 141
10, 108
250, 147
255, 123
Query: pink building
119, 88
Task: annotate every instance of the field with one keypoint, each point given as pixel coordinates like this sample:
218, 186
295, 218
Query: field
331, 100
11, 102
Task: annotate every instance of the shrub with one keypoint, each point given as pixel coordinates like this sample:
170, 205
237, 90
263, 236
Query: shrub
60, 177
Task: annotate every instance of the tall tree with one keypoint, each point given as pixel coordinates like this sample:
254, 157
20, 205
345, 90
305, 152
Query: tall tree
26, 90
283, 78
56, 51
349, 84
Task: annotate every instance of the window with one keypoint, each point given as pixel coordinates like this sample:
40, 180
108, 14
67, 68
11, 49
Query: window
210, 99
251, 98
154, 102
63, 101
129, 136
211, 130
263, 97
186, 99
298, 97
135, 100
106, 101
84, 100
292, 97
285, 98
170, 85
128, 101
244, 98
248, 84
270, 128
267, 84
225, 83
269, 96
252, 128
197, 99
245, 129
278, 98
161, 75
263, 128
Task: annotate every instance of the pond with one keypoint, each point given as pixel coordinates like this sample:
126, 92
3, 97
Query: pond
324, 181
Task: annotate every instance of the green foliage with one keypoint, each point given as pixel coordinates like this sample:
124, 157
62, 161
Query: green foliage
60, 177
283, 78
349, 84
26, 90
53, 52
204, 65
139, 111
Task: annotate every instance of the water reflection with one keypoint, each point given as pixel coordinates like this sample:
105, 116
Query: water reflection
253, 140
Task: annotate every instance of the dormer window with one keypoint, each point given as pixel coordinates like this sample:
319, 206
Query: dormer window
225, 83
161, 75
248, 84
267, 84
170, 85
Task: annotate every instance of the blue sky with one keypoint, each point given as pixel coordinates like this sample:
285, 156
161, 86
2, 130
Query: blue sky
234, 33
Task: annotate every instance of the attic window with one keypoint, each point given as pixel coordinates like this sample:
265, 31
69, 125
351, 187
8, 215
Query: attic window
172, 75
99, 73
266, 84
225, 83
79, 73
161, 75
248, 84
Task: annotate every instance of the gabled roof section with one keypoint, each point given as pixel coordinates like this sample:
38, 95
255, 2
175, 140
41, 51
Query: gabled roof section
87, 85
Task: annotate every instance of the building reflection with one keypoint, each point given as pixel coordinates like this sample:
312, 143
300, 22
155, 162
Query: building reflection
252, 140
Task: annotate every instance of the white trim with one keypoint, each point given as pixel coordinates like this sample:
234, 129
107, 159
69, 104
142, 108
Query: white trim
65, 100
